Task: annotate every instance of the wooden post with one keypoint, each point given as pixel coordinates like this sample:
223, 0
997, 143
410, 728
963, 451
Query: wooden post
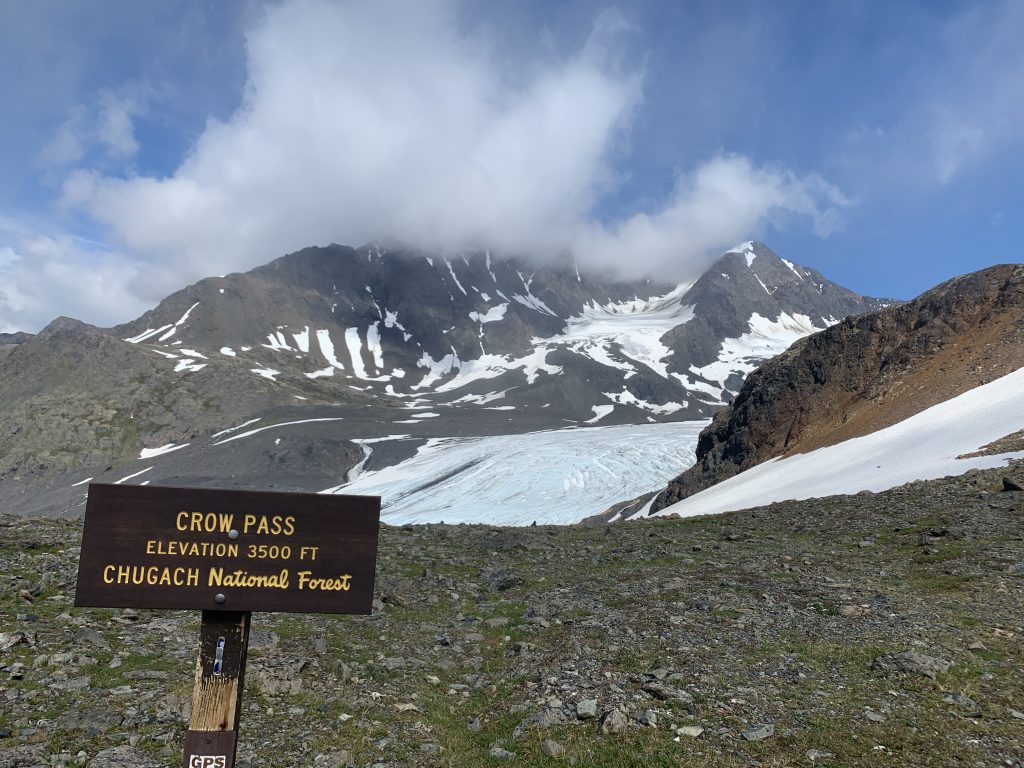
212, 737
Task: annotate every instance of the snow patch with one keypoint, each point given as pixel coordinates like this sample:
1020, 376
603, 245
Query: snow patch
323, 337
628, 398
322, 373
492, 315
792, 268
229, 430
766, 338
373, 344
277, 341
149, 453
129, 477
452, 273
302, 340
147, 333
252, 432
922, 447
600, 411
266, 373
355, 352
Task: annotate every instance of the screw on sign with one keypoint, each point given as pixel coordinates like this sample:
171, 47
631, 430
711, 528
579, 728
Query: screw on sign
226, 553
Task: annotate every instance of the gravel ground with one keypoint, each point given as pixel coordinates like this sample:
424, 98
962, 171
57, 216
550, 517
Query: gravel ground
876, 629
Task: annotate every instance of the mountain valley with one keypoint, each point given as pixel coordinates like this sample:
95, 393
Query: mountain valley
334, 362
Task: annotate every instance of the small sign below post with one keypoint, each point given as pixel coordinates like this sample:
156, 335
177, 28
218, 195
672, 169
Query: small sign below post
226, 553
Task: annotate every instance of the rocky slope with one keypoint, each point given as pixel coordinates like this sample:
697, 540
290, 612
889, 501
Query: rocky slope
849, 631
865, 373
399, 347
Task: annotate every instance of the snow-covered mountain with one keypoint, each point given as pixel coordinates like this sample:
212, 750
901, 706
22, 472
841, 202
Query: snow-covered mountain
926, 389
281, 377
472, 331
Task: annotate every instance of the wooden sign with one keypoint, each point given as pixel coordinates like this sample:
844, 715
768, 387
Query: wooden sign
201, 549
227, 553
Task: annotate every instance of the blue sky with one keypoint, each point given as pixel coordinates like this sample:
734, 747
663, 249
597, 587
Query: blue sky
147, 145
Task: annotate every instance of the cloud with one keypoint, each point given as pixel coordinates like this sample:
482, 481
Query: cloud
979, 108
724, 199
370, 121
958, 110
43, 276
101, 132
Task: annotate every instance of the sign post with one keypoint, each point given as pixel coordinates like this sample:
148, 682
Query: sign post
226, 553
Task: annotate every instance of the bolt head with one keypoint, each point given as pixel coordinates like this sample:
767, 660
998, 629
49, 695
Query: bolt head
233, 534
219, 598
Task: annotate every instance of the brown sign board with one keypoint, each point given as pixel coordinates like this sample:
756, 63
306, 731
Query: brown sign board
203, 549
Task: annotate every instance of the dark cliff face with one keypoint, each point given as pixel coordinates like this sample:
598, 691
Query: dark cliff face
866, 373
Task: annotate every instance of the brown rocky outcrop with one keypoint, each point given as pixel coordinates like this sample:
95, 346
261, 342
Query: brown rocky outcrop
866, 373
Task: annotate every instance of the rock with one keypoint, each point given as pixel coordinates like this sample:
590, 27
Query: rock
503, 580
497, 621
34, 756
817, 754
1016, 714
84, 635
91, 722
1011, 485
586, 709
912, 662
690, 731
759, 732
977, 646
959, 700
474, 724
342, 759
614, 721
123, 757
665, 692
874, 717
10, 639
552, 748
648, 718
498, 752
539, 721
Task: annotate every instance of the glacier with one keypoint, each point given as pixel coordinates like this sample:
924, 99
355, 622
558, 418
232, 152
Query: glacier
554, 477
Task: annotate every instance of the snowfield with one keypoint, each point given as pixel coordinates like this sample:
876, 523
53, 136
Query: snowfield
922, 447
555, 477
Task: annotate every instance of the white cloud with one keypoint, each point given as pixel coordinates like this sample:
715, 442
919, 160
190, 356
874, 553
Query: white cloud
101, 131
979, 108
114, 127
956, 113
365, 121
722, 201
42, 277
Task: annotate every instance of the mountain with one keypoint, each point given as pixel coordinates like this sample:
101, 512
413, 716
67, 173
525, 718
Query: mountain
9, 341
349, 348
936, 377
